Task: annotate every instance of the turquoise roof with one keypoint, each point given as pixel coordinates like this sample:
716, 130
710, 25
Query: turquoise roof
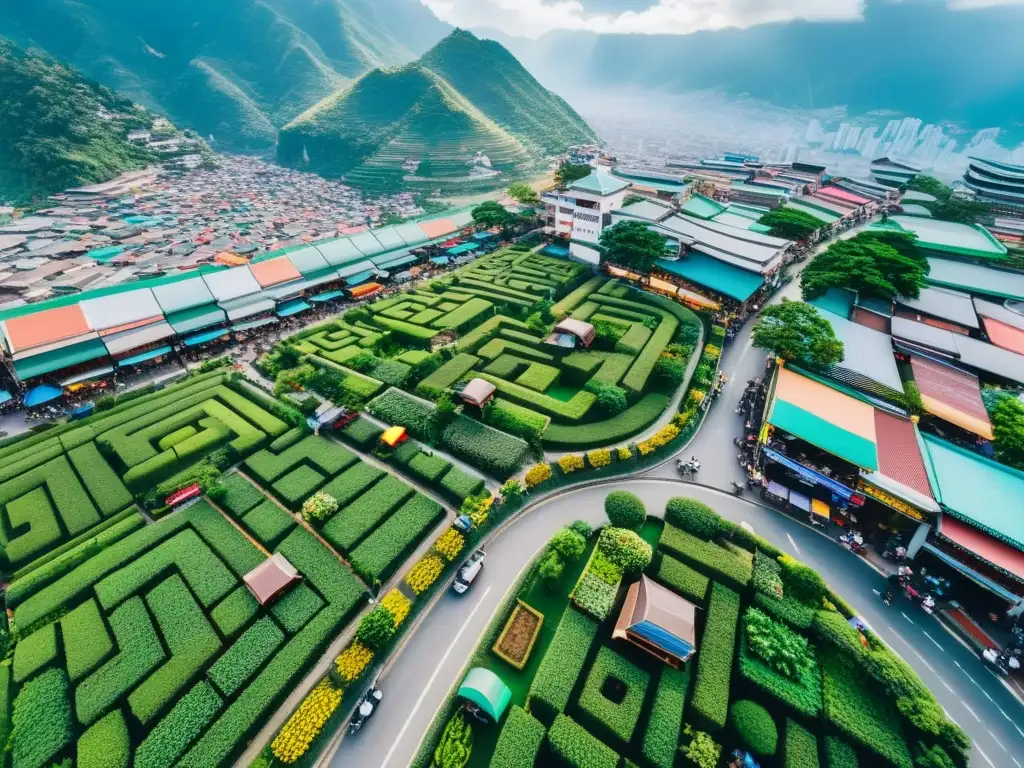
714, 274
838, 301
487, 691
977, 490
599, 182
947, 236
702, 207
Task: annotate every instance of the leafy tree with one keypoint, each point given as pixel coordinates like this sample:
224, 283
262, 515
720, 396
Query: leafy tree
671, 370
1008, 428
611, 399
632, 244
625, 510
568, 172
444, 413
512, 491
491, 214
523, 193
568, 544
550, 569
876, 264
376, 628
946, 207
796, 331
791, 224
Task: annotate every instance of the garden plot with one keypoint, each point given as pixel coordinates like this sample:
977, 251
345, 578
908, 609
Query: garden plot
67, 484
151, 651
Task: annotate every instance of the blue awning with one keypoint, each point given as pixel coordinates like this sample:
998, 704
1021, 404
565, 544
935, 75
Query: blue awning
5, 396
144, 356
292, 308
810, 475
484, 236
254, 324
441, 260
328, 296
202, 338
972, 574
714, 274
362, 277
42, 394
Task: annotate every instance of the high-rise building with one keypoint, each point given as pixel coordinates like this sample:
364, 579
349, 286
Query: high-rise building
837, 142
815, 133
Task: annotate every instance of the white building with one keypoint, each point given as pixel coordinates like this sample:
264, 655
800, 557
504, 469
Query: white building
582, 211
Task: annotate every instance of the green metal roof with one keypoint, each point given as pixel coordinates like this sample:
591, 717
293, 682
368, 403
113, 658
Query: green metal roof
838, 301
702, 207
947, 236
977, 490
714, 274
487, 691
825, 216
188, 320
599, 182
60, 358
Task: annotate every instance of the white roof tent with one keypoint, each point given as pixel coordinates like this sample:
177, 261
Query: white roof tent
121, 309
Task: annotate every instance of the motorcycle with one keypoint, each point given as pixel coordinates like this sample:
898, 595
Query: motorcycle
914, 595
690, 467
1002, 662
854, 542
367, 706
737, 488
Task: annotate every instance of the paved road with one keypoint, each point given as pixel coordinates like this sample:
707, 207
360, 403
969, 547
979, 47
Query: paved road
422, 675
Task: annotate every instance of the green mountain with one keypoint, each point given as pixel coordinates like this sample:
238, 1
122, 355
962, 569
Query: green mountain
233, 69
466, 116
60, 130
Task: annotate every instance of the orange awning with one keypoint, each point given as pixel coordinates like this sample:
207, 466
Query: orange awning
230, 259
274, 272
438, 228
46, 327
1003, 335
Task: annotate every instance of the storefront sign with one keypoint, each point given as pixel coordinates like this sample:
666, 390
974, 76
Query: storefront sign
816, 478
889, 500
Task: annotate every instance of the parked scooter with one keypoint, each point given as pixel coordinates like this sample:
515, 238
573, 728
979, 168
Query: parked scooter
737, 488
367, 706
1002, 662
914, 595
853, 541
690, 467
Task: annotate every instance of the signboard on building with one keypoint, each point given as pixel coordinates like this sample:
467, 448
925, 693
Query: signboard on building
889, 500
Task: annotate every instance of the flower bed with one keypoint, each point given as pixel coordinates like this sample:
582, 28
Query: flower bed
519, 635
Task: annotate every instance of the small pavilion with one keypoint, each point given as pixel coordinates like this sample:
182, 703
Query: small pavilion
271, 577
658, 621
584, 332
484, 694
478, 392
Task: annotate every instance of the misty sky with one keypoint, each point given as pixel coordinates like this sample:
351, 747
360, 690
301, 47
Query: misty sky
532, 18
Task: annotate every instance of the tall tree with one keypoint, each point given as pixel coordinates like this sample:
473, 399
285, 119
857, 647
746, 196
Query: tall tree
1008, 428
876, 264
523, 193
632, 244
946, 207
568, 172
491, 214
796, 331
791, 224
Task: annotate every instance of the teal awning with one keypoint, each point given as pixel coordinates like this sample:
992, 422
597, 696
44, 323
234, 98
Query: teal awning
58, 359
328, 296
487, 691
254, 324
714, 274
144, 356
202, 338
440, 260
362, 277
457, 250
401, 262
196, 318
5, 396
292, 308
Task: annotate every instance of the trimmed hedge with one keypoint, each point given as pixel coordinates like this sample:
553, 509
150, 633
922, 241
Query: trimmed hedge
839, 754
296, 608
99, 479
298, 485
619, 427
694, 517
42, 720
91, 641
710, 704
326, 455
172, 735
577, 747
268, 523
683, 579
351, 524
488, 449
573, 410
464, 316
661, 739
352, 483
460, 485
397, 407
519, 741
802, 695
445, 376
383, 550
106, 744
714, 561
241, 495
241, 661
754, 727
538, 377
801, 747
234, 611
561, 666
621, 718
35, 652
429, 468
363, 432
625, 510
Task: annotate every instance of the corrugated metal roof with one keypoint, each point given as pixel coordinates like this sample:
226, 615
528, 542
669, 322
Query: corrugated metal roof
1005, 336
125, 342
970, 352
52, 325
274, 272
367, 243
48, 362
240, 309
232, 283
355, 268
412, 234
129, 307
728, 242
438, 227
184, 294
339, 252
308, 260
389, 238
999, 312
984, 493
976, 279
944, 303
984, 546
867, 352
899, 455
951, 394
720, 277
196, 318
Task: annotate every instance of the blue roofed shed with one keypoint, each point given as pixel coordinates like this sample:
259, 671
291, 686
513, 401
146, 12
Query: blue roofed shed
658, 621
714, 274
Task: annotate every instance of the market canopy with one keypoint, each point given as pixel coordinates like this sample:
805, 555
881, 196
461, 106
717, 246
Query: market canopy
292, 308
952, 395
58, 359
986, 547
487, 691
202, 338
144, 356
42, 394
720, 277
659, 621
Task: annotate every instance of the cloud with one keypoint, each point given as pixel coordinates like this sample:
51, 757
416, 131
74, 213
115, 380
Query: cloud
532, 18
972, 5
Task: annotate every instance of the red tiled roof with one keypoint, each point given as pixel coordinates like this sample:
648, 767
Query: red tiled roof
984, 546
899, 455
1003, 335
438, 227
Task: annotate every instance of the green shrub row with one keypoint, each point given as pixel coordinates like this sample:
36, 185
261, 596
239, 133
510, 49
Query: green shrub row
362, 432
182, 725
404, 330
461, 485
105, 744
495, 348
661, 738
753, 727
619, 427
429, 468
294, 610
402, 409
619, 718
632, 342
788, 609
175, 437
573, 410
240, 494
484, 447
487, 328
714, 561
801, 747
322, 453
352, 482
519, 741
710, 703
802, 695
577, 747
245, 656
42, 720
100, 480
234, 611
361, 516
91, 642
538, 377
561, 666
298, 485
446, 376
268, 523
383, 550
34, 652
321, 568
464, 316
576, 297
839, 754
681, 578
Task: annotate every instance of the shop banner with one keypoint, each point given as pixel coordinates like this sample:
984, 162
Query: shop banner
840, 490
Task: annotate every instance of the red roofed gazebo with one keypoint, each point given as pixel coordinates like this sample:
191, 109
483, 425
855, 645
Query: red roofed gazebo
271, 577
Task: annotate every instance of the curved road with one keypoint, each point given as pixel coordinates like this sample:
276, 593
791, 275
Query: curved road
420, 677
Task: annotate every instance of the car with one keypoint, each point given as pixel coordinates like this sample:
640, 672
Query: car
469, 571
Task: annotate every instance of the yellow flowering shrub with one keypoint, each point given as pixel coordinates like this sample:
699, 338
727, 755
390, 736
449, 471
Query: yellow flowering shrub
682, 419
537, 474
353, 661
477, 509
697, 395
711, 352
397, 604
665, 435
623, 453
306, 723
646, 447
450, 543
602, 457
570, 463
424, 573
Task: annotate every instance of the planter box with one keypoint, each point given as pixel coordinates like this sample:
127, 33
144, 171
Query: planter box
515, 643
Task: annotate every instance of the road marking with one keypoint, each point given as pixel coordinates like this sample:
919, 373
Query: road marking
793, 543
985, 756
877, 592
933, 641
1019, 730
906, 617
997, 741
433, 677
1015, 761
1001, 712
913, 650
973, 713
